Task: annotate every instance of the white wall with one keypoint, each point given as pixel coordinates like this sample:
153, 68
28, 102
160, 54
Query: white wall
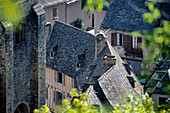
87, 19
73, 11
98, 18
61, 13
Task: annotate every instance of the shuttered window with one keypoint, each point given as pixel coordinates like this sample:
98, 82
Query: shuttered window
113, 39
116, 39
134, 42
58, 98
120, 40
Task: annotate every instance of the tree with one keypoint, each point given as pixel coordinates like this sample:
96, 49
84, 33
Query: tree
9, 11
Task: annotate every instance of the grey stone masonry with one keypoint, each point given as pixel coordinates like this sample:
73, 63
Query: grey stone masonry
23, 63
2, 74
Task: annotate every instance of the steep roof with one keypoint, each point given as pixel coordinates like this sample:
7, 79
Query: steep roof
113, 84
70, 43
126, 15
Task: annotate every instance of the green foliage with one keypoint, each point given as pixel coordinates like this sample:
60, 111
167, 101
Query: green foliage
95, 4
9, 11
156, 41
77, 106
131, 104
134, 104
43, 109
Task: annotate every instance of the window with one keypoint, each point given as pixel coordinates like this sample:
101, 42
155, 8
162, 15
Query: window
52, 54
134, 42
55, 12
59, 77
20, 33
53, 51
57, 98
119, 39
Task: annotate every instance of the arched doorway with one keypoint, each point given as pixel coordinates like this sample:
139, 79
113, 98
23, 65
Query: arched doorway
22, 108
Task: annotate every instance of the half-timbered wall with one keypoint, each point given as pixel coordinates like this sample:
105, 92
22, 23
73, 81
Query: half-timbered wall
54, 87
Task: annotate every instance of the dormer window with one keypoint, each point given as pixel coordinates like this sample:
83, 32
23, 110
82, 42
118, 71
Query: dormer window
53, 51
52, 54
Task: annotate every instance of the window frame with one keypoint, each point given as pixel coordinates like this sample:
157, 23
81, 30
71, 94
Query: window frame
58, 79
119, 39
55, 13
134, 42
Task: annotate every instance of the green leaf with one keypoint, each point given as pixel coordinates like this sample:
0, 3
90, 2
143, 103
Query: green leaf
136, 34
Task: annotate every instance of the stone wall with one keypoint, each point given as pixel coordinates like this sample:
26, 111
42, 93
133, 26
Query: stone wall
2, 75
23, 65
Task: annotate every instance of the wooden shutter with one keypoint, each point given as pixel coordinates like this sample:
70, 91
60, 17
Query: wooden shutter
113, 39
129, 43
139, 42
124, 41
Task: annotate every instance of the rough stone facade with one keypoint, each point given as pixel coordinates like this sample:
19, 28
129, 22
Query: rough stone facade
23, 64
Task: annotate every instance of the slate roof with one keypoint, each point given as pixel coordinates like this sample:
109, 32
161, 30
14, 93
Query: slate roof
113, 84
126, 15
71, 42
110, 85
49, 3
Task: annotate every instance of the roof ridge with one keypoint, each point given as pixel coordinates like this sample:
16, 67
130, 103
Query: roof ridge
68, 25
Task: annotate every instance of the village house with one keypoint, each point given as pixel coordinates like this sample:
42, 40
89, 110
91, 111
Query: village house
36, 69
90, 59
67, 11
121, 19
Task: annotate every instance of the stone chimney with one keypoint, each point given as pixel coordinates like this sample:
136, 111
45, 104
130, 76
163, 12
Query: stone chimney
109, 61
100, 43
48, 27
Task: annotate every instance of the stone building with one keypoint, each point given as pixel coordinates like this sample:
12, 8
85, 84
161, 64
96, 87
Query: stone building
23, 60
67, 11
92, 62
121, 19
